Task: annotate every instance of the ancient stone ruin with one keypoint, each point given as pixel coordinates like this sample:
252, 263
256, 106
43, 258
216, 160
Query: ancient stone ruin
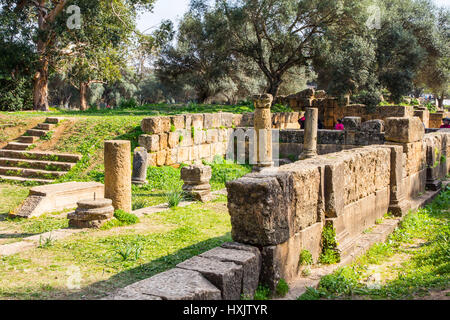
118, 174
360, 174
140, 165
91, 214
196, 182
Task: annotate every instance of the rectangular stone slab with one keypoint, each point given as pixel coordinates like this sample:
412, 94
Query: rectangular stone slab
227, 276
175, 284
58, 197
249, 260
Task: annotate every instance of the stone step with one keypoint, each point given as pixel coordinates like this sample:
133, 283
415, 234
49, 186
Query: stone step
52, 120
20, 179
39, 155
36, 132
36, 164
45, 126
17, 146
31, 173
27, 139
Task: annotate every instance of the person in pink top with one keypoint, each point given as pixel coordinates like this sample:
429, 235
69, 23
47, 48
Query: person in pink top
446, 124
339, 126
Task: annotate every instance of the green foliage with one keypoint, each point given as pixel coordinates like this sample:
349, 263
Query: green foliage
330, 253
306, 258
129, 250
262, 293
126, 218
282, 288
224, 171
427, 268
45, 243
172, 128
174, 197
48, 136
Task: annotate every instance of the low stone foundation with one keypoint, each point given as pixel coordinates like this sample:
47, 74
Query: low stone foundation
58, 197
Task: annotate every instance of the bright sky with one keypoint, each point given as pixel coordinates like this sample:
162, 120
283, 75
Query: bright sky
174, 10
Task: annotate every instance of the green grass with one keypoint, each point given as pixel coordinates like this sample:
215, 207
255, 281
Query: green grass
427, 266
11, 196
115, 258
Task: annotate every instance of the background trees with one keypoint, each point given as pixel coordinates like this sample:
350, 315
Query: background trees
223, 51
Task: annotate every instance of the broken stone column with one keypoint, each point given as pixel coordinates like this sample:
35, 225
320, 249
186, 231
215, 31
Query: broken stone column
118, 174
311, 127
196, 182
140, 164
263, 129
91, 214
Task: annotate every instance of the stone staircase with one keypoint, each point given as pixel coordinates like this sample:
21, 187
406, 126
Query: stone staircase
19, 164
33, 135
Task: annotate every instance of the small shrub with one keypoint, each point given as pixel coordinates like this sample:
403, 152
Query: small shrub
282, 288
306, 258
181, 139
330, 253
125, 218
174, 197
262, 293
48, 136
172, 128
45, 243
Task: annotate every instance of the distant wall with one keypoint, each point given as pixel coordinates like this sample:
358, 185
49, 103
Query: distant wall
196, 137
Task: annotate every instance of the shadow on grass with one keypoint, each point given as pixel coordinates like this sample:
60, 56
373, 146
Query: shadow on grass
101, 289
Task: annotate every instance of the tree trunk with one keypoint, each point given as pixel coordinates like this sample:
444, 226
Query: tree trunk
274, 87
83, 92
40, 87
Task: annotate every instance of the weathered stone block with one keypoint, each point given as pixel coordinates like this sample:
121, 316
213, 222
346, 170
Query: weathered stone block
373, 126
152, 162
178, 121
211, 120
175, 284
212, 136
161, 158
173, 139
183, 154
205, 151
404, 130
163, 141
156, 125
269, 207
352, 123
227, 276
197, 121
250, 260
171, 157
237, 120
226, 119
149, 142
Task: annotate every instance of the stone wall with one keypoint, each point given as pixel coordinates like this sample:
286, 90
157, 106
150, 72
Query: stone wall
197, 137
436, 118
283, 211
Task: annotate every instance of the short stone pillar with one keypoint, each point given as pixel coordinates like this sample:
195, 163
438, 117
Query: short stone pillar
433, 166
310, 140
91, 214
140, 165
263, 129
196, 182
118, 174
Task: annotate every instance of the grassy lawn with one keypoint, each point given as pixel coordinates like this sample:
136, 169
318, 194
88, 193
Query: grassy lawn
151, 110
414, 263
113, 258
